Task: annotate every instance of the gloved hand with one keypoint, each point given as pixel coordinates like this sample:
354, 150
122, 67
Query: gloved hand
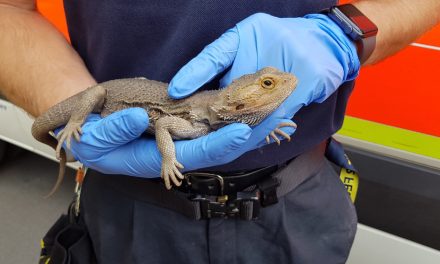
313, 48
113, 145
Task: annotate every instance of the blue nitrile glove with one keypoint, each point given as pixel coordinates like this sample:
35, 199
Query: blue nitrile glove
313, 48
113, 145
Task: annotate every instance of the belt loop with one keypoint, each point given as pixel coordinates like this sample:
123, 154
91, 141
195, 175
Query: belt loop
268, 191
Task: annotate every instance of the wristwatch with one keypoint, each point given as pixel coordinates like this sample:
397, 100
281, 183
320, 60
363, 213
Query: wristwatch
357, 26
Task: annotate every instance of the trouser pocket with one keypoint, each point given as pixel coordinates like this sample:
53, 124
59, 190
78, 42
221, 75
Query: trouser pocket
67, 243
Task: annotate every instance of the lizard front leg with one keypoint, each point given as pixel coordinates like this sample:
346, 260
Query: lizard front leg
91, 99
165, 128
280, 132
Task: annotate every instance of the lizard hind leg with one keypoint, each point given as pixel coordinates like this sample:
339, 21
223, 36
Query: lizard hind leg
165, 128
92, 99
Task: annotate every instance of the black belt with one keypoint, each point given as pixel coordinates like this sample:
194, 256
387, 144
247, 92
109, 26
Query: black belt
207, 195
218, 184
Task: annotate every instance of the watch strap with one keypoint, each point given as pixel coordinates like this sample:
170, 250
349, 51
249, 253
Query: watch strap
357, 26
365, 47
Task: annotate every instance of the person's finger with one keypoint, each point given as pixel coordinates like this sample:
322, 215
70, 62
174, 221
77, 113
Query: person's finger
216, 148
116, 129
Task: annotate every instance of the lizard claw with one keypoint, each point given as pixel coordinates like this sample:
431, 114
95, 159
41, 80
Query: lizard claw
170, 170
280, 132
65, 135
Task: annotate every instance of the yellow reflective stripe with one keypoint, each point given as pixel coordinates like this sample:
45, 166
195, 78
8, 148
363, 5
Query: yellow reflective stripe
41, 243
47, 261
390, 136
351, 182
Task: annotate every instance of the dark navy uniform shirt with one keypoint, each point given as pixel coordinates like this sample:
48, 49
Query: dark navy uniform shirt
154, 39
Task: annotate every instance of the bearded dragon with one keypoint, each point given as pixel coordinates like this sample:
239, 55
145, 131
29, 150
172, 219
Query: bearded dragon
248, 99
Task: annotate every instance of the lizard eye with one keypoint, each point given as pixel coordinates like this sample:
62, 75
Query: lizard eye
267, 83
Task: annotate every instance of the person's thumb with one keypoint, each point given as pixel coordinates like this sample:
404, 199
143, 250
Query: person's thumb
214, 59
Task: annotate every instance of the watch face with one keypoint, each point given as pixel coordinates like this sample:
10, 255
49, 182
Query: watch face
359, 22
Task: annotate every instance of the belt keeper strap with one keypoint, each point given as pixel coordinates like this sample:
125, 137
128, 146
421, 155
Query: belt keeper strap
268, 191
247, 210
197, 214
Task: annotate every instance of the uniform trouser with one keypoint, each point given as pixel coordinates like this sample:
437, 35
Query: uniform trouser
314, 223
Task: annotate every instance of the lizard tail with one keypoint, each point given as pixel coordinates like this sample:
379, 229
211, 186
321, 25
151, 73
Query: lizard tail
62, 171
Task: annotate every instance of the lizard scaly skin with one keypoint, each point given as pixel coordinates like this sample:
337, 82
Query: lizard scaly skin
248, 99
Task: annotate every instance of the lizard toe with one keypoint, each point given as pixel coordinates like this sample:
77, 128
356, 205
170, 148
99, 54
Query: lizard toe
282, 133
60, 134
178, 165
288, 124
68, 141
60, 143
272, 135
178, 173
166, 179
76, 135
174, 178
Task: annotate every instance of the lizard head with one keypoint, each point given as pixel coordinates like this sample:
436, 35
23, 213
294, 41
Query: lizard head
252, 97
